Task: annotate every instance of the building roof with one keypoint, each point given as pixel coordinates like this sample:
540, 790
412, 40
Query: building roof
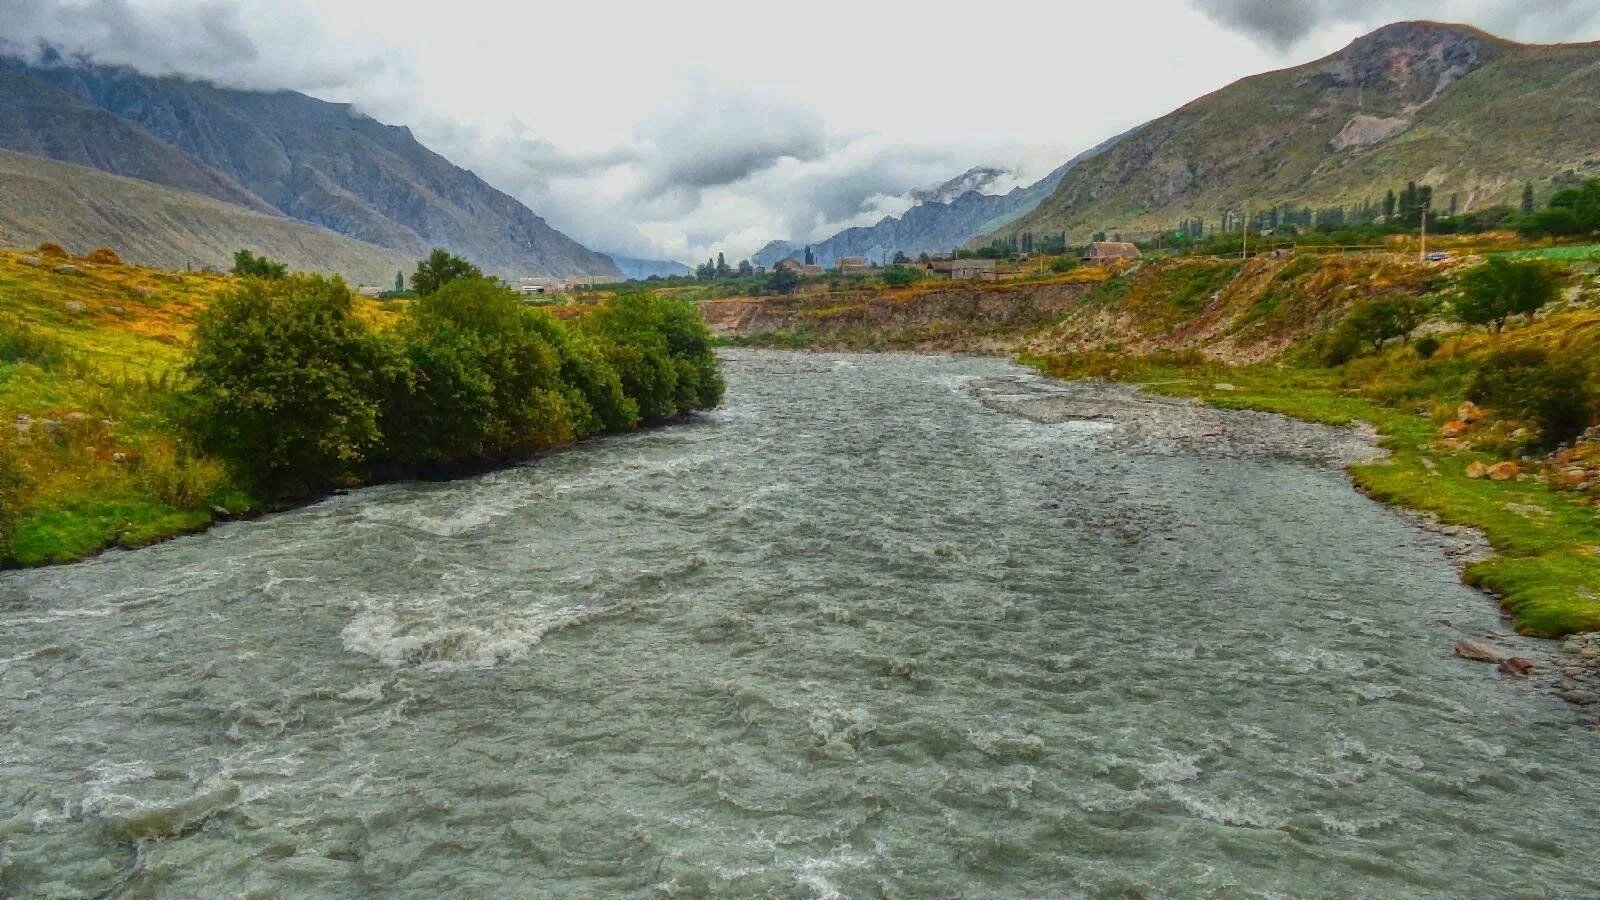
950, 265
851, 261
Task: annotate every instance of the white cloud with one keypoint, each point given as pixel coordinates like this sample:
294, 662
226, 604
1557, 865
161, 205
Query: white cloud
686, 128
1282, 24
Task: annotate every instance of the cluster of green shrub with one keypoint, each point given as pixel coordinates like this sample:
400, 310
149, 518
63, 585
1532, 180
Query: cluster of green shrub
297, 392
1555, 393
19, 344
249, 265
1488, 294
1569, 212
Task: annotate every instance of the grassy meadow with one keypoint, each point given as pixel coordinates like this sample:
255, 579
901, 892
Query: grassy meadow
88, 356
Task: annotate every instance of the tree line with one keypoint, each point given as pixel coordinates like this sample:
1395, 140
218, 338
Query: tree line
297, 391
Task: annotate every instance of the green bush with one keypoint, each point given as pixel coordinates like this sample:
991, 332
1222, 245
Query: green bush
1426, 346
662, 353
439, 269
1500, 288
482, 380
782, 280
1553, 394
21, 344
179, 478
286, 382
1378, 321
900, 276
591, 389
1337, 347
247, 264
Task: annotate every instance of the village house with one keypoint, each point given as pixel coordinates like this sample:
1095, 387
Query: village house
794, 265
964, 269
539, 286
1102, 253
851, 264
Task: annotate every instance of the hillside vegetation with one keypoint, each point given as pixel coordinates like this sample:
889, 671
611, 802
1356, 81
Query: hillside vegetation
79, 208
1419, 101
139, 403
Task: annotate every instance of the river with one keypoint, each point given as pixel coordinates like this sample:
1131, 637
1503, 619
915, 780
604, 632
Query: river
867, 631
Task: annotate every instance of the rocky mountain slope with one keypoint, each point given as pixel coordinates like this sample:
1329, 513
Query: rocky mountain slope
318, 162
942, 219
636, 269
1446, 105
81, 208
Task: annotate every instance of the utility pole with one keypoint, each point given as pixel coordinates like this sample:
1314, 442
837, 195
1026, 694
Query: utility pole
1245, 253
1422, 255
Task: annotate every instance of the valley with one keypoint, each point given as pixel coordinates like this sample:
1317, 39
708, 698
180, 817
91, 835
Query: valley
1154, 454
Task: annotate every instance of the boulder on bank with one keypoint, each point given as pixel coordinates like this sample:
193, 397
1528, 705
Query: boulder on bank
1478, 651
1506, 471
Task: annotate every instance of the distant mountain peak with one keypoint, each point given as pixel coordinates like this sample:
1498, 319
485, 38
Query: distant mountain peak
1471, 115
975, 179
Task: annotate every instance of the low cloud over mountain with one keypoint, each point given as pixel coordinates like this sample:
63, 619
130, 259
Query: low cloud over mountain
1282, 24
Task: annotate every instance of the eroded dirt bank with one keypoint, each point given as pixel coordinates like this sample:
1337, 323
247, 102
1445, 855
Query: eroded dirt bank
966, 317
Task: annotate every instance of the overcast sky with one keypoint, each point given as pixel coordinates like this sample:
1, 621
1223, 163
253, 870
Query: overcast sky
679, 128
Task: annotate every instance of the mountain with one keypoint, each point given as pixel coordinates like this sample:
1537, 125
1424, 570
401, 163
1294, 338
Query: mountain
1472, 115
635, 269
979, 178
82, 208
941, 220
283, 152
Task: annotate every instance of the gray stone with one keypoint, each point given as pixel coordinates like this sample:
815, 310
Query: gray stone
1477, 651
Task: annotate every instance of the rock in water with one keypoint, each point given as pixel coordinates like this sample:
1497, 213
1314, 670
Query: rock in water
1478, 651
1517, 667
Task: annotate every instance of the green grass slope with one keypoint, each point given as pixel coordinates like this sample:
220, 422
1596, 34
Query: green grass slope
81, 208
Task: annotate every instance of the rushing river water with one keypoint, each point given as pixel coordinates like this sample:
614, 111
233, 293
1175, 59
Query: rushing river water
858, 634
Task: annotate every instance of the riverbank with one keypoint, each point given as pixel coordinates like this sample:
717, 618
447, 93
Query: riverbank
1252, 336
127, 422
1170, 410
1544, 571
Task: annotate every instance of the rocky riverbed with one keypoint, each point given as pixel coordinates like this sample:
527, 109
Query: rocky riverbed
1133, 421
